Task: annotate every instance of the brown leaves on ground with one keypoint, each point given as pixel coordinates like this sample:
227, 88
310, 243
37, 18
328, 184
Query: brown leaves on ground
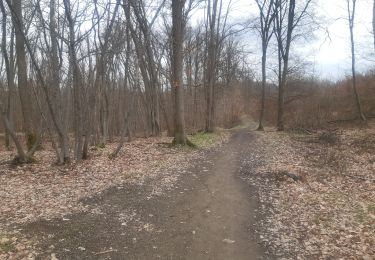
329, 215
45, 191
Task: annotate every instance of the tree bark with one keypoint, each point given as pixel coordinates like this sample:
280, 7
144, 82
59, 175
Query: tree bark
177, 67
77, 81
10, 81
211, 62
284, 56
351, 16
56, 109
24, 92
263, 98
266, 17
153, 85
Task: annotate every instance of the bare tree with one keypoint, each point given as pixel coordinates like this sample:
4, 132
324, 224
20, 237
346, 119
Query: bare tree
212, 16
4, 115
286, 21
215, 34
266, 19
147, 60
9, 68
76, 83
55, 93
101, 68
351, 7
24, 92
52, 98
126, 124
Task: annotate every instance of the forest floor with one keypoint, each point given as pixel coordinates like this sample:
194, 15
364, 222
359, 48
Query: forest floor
254, 195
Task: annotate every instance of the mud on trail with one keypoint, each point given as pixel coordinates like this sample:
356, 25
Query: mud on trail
210, 214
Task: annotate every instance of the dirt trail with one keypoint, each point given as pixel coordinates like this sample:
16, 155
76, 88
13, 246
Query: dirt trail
208, 216
224, 210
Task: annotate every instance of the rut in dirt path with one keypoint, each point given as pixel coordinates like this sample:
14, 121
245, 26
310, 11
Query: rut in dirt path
208, 216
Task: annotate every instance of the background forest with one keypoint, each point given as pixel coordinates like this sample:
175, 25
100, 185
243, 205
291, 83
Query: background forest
76, 74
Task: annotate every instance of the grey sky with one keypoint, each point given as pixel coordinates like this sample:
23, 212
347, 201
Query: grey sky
330, 56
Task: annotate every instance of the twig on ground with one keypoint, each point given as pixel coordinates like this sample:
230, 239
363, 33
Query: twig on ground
105, 252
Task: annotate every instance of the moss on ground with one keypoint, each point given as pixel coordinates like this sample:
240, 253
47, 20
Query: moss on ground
6, 247
205, 139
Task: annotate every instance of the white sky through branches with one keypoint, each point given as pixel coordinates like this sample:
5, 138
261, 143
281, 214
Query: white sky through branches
329, 52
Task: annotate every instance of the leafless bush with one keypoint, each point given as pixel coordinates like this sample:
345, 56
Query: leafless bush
329, 137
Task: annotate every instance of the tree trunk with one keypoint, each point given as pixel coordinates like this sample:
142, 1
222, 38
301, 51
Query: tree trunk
263, 99
210, 70
351, 14
56, 111
280, 107
9, 65
177, 64
148, 58
24, 93
284, 52
77, 88
21, 155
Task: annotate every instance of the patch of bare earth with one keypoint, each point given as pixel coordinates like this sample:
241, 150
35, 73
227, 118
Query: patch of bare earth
43, 191
320, 189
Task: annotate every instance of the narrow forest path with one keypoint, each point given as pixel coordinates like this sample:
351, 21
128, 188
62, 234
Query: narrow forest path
208, 216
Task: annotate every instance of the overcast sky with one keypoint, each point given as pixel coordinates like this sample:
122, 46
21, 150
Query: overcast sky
330, 56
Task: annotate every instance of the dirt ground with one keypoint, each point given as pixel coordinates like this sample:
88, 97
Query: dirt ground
210, 215
258, 195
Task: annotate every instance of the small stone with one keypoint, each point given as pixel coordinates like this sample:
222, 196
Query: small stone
228, 241
81, 248
53, 257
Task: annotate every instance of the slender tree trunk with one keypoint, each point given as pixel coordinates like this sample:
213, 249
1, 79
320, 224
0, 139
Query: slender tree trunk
76, 80
284, 54
282, 85
21, 155
263, 99
63, 139
9, 116
210, 70
149, 58
351, 14
5, 115
9, 67
24, 93
267, 15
